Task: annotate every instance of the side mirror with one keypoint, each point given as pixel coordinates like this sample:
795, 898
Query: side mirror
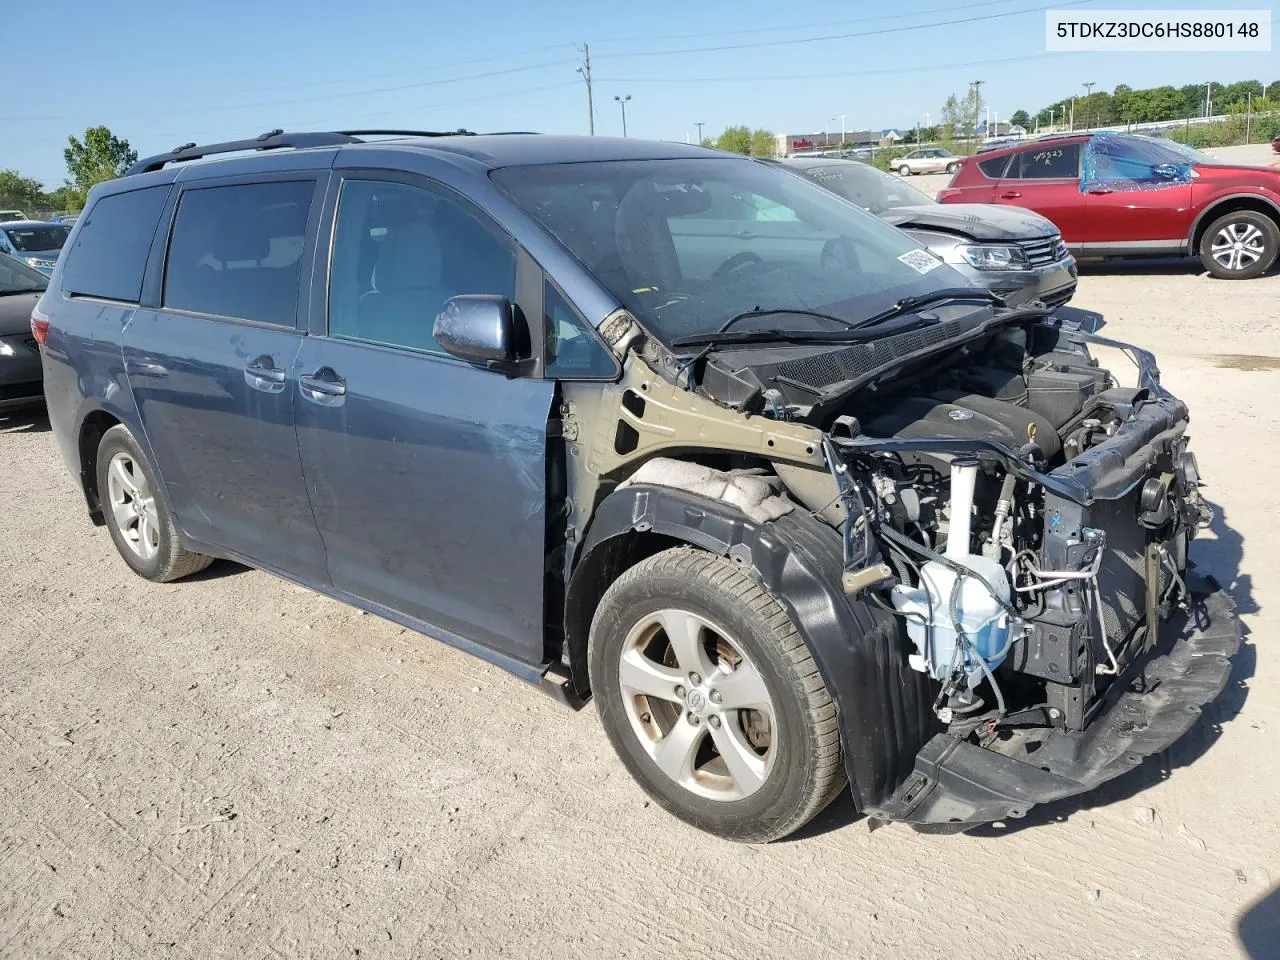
479, 328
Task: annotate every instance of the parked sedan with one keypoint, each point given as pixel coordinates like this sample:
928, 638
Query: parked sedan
1115, 195
928, 160
36, 242
20, 374
1017, 254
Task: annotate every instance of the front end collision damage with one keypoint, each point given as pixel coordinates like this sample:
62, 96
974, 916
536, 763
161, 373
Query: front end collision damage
637, 484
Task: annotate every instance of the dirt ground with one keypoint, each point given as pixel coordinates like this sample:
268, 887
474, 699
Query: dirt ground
235, 767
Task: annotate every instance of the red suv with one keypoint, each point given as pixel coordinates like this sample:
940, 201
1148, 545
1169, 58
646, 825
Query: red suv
1122, 195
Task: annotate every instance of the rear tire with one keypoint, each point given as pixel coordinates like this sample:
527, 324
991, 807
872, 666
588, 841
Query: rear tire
904, 171
736, 733
1240, 245
137, 516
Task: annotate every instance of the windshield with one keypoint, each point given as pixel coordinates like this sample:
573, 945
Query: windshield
17, 277
35, 239
866, 186
687, 244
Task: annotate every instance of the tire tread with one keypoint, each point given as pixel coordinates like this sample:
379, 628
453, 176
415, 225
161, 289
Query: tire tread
692, 564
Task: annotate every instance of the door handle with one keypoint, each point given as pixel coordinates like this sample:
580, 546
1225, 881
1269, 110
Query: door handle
1098, 191
324, 383
1010, 195
263, 374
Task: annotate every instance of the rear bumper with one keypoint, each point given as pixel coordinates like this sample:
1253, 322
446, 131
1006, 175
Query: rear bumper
1158, 699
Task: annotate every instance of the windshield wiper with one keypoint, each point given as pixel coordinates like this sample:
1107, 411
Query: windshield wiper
696, 339
910, 304
10, 293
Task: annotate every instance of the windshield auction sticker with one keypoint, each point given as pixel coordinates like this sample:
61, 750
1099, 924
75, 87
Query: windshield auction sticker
921, 261
1158, 30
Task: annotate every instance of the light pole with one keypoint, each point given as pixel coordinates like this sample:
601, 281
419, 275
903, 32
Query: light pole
622, 102
842, 119
698, 124
1208, 100
1088, 89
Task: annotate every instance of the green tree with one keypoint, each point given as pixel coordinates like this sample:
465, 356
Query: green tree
952, 117
1021, 118
735, 140
100, 156
763, 143
19, 191
65, 198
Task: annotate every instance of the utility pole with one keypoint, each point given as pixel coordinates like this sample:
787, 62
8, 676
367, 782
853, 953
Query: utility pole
1248, 115
1071, 124
585, 69
1088, 89
1208, 99
698, 124
842, 119
622, 102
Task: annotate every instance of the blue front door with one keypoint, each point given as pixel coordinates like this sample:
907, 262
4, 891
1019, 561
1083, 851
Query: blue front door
428, 484
427, 475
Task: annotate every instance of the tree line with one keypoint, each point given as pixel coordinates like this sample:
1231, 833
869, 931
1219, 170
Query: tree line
98, 156
1153, 104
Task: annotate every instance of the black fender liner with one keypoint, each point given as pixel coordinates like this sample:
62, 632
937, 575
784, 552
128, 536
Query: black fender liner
883, 706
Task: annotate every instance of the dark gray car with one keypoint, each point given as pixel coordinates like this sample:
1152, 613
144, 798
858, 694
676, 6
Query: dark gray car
20, 373
1013, 252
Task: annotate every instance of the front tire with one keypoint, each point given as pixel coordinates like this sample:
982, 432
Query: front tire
1240, 245
711, 698
904, 171
136, 513
952, 168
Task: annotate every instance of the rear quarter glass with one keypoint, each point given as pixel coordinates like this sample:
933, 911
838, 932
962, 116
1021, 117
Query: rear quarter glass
108, 256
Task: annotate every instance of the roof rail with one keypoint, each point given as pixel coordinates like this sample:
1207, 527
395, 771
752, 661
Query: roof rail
460, 132
279, 140
271, 140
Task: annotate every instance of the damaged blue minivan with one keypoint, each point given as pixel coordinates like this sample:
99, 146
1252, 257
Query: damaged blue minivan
793, 503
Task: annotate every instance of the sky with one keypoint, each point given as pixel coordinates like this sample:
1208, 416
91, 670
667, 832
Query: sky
161, 74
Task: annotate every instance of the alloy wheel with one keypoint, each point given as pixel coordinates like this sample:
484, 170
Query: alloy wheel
133, 506
1238, 246
698, 706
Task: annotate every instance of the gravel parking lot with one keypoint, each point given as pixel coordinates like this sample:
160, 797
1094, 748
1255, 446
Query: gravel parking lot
232, 766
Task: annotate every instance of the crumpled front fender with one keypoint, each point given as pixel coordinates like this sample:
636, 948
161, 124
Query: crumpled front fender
882, 705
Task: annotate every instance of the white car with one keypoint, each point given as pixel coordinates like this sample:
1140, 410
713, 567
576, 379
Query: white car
928, 160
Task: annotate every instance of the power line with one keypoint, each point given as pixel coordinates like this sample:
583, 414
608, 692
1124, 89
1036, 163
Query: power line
880, 71
806, 26
848, 36
353, 93
416, 71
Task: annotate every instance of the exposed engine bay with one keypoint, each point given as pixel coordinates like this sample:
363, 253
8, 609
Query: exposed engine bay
1024, 516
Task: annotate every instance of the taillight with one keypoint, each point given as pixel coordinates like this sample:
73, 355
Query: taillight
39, 326
948, 193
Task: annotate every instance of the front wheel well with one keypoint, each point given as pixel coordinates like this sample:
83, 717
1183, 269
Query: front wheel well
91, 431
593, 575
1230, 205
